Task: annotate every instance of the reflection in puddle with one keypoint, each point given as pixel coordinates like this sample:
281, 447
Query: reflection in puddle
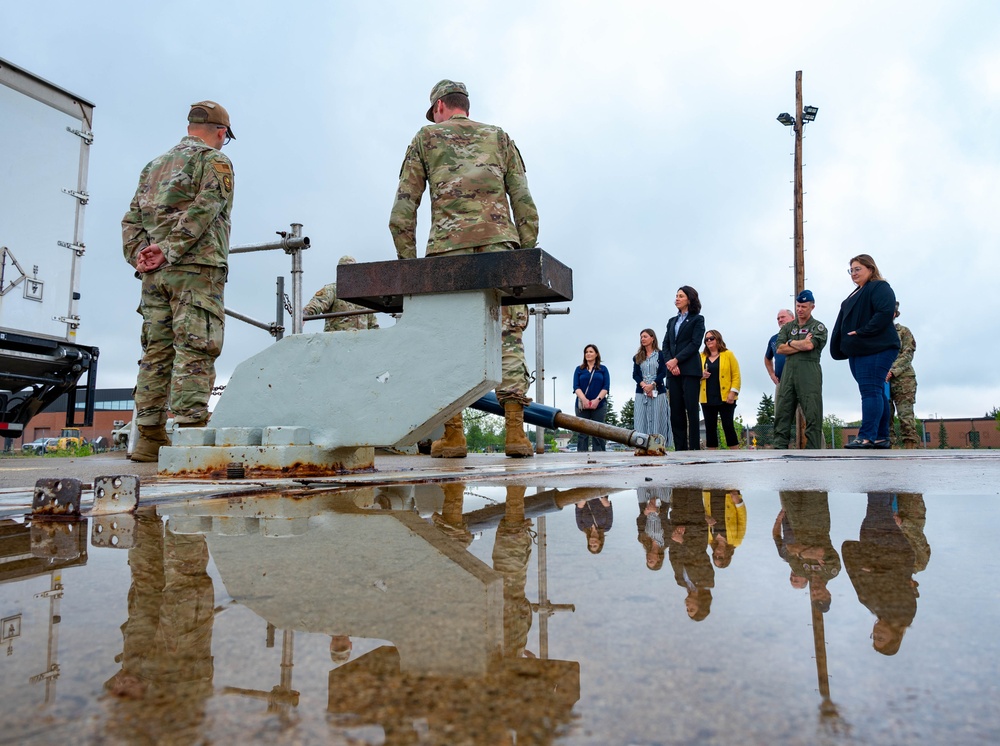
422, 614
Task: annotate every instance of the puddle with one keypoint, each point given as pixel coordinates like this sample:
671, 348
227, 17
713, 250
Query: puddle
469, 614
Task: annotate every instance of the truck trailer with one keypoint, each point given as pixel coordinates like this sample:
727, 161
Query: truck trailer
46, 134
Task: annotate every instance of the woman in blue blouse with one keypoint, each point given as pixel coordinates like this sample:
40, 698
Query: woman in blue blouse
591, 383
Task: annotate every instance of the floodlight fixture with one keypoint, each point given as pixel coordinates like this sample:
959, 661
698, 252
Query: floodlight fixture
786, 119
809, 113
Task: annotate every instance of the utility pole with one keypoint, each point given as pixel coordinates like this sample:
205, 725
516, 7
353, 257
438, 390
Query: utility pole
803, 114
540, 311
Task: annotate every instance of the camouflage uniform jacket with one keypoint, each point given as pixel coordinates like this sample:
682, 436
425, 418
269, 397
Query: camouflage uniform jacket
903, 367
472, 168
183, 203
326, 301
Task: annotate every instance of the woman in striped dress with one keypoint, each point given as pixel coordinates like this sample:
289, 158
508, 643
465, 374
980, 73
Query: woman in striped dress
649, 369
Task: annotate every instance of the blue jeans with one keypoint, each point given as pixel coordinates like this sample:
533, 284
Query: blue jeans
876, 409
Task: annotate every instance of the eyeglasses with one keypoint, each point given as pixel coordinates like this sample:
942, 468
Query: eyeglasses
709, 339
854, 270
224, 127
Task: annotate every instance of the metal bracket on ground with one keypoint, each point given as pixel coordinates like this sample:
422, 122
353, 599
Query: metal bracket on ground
56, 497
115, 494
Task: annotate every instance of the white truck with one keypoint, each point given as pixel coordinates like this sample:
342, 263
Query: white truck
45, 133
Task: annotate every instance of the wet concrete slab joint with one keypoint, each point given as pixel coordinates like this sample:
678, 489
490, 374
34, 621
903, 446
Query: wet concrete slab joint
115, 494
112, 531
57, 497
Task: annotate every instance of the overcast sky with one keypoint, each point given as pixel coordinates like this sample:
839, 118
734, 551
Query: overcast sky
651, 144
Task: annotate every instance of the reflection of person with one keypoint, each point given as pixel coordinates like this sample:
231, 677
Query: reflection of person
865, 337
451, 519
167, 668
340, 648
720, 385
476, 179
903, 386
687, 542
801, 342
802, 537
176, 235
651, 413
591, 383
326, 301
881, 567
511, 552
654, 502
727, 523
594, 518
680, 347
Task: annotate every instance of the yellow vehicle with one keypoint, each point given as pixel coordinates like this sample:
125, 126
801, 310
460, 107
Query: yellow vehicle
70, 437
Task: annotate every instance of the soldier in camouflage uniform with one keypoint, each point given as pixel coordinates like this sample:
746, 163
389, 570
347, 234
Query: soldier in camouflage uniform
326, 301
479, 203
903, 387
176, 235
801, 341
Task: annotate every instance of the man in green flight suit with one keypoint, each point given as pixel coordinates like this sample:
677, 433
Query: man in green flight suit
479, 203
176, 236
801, 341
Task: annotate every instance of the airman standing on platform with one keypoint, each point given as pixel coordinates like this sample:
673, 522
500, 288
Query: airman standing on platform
176, 235
477, 180
326, 301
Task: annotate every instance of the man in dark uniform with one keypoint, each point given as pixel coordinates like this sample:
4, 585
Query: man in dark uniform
801, 341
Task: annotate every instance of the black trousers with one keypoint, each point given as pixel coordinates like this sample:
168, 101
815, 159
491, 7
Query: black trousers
684, 415
712, 414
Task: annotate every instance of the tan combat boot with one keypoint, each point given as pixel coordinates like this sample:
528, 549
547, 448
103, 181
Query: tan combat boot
452, 445
151, 439
517, 445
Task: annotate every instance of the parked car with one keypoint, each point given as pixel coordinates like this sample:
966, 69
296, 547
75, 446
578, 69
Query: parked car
42, 445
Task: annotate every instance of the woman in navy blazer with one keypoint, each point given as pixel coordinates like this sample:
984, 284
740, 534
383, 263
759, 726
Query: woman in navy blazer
681, 343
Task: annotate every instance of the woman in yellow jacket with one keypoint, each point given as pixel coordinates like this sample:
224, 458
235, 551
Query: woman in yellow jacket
720, 385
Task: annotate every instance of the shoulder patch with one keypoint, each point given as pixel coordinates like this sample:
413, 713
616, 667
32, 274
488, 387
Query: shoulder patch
222, 167
820, 328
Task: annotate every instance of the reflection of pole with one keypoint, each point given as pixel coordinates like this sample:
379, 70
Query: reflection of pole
281, 697
543, 608
287, 649
51, 663
827, 709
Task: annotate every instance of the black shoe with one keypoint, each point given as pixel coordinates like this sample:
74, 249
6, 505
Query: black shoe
858, 443
883, 445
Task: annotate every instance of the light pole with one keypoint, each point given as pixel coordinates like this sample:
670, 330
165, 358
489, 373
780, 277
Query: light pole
802, 115
554, 392
798, 124
540, 312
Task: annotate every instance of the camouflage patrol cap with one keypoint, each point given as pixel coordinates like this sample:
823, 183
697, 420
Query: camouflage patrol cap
209, 112
443, 88
346, 260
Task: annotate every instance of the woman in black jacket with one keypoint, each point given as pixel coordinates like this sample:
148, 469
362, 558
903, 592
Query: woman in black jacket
681, 341
865, 336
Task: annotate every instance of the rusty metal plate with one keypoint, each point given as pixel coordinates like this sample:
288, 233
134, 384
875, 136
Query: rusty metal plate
113, 531
115, 494
522, 276
58, 540
57, 497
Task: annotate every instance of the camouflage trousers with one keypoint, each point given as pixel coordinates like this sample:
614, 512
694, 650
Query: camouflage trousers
903, 392
515, 377
182, 331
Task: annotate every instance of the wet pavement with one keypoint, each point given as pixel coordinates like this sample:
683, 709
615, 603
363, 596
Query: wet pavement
711, 598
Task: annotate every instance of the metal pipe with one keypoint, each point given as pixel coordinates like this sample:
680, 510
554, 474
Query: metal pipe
289, 243
296, 281
540, 371
536, 414
337, 314
247, 319
279, 310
